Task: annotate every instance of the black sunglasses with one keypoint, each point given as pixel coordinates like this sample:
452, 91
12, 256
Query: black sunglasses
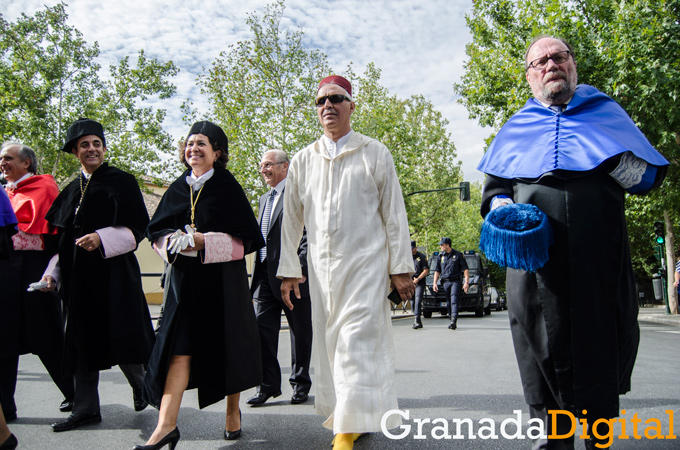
335, 99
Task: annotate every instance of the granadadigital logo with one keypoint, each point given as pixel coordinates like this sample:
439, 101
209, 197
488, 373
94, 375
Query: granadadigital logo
511, 428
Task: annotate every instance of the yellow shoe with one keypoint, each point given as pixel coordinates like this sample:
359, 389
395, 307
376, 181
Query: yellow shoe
354, 436
343, 441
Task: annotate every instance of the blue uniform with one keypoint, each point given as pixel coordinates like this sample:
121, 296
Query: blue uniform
450, 267
420, 264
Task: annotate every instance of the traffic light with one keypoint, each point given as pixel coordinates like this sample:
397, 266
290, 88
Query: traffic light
464, 191
659, 232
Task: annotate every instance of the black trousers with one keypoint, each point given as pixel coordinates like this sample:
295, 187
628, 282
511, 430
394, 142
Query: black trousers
86, 400
268, 309
563, 427
452, 294
9, 367
418, 299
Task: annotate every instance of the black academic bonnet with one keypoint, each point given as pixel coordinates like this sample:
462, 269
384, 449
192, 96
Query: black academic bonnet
82, 127
211, 130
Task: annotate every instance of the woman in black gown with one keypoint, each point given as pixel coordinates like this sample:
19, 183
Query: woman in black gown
208, 338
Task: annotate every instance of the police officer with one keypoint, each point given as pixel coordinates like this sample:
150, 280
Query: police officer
450, 265
420, 263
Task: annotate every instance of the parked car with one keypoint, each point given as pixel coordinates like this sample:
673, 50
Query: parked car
497, 299
473, 301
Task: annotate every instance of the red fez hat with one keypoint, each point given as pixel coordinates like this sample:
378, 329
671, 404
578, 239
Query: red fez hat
340, 81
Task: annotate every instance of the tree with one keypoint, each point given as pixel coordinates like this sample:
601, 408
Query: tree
423, 153
621, 47
261, 93
262, 90
49, 78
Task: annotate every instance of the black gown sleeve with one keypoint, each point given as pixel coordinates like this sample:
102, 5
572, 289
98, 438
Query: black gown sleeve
494, 186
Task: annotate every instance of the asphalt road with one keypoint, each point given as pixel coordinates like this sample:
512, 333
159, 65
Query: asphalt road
470, 373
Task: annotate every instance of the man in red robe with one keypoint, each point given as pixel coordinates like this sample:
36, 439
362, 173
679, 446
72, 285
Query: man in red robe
30, 322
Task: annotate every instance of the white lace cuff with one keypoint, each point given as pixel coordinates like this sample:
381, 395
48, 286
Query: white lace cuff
630, 170
116, 241
222, 247
27, 241
160, 245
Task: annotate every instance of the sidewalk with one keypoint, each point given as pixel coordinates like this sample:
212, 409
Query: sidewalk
653, 313
658, 314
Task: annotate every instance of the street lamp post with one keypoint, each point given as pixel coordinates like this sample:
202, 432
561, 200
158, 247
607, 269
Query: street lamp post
464, 191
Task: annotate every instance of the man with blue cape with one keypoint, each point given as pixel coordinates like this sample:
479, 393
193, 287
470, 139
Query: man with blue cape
573, 152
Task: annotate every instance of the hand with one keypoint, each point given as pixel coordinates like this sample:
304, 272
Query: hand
677, 283
466, 286
403, 284
180, 241
287, 285
89, 242
199, 242
415, 281
435, 287
50, 283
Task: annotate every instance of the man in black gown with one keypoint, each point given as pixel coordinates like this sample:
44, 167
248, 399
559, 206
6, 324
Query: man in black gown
102, 218
572, 152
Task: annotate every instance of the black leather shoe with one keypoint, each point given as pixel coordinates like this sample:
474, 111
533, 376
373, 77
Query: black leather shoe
76, 420
262, 397
233, 435
299, 397
453, 326
10, 443
66, 405
138, 400
170, 439
591, 444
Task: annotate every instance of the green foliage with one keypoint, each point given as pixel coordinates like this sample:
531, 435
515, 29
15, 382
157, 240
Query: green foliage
423, 153
261, 92
49, 78
627, 49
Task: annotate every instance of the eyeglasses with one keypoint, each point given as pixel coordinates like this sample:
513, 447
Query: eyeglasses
335, 99
541, 63
268, 165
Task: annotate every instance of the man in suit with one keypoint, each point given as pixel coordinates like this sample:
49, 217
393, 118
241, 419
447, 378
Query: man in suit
267, 293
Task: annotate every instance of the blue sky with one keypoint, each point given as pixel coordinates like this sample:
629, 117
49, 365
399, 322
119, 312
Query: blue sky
419, 46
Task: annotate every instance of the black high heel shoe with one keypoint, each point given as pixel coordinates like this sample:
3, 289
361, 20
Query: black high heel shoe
11, 443
233, 435
171, 439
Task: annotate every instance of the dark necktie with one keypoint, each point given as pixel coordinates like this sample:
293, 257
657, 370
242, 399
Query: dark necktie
557, 108
264, 226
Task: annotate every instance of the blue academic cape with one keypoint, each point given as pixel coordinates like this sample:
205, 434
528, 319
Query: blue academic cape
592, 129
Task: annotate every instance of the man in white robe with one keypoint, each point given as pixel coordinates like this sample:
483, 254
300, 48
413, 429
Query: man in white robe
344, 189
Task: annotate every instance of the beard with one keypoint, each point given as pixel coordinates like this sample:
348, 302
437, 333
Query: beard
560, 89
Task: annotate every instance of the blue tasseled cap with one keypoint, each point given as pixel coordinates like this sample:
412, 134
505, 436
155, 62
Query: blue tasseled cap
517, 236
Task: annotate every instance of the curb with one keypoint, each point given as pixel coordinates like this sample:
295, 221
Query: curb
666, 319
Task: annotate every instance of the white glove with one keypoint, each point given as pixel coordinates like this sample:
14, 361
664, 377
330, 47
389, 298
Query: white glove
180, 241
500, 201
37, 286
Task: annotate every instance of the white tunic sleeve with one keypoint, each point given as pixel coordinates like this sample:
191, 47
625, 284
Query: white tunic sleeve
292, 226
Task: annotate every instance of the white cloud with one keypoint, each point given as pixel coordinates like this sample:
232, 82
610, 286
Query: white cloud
420, 48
